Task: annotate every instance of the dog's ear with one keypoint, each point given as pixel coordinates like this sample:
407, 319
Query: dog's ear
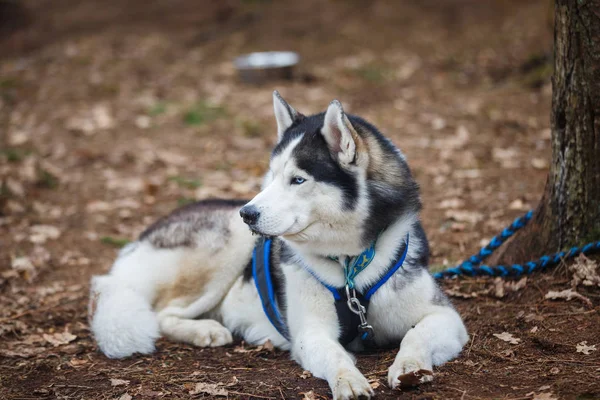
340, 135
284, 114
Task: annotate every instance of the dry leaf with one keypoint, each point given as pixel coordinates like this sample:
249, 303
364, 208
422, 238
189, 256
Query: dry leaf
266, 346
234, 381
534, 329
310, 395
60, 338
455, 292
451, 203
75, 362
519, 204
471, 217
212, 389
305, 374
41, 233
508, 353
125, 396
507, 337
374, 383
516, 286
539, 163
584, 348
498, 288
584, 272
25, 267
568, 294
118, 382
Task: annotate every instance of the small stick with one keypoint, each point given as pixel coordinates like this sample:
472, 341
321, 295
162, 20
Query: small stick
250, 394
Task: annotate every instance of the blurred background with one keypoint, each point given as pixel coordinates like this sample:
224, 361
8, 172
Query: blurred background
128, 109
113, 113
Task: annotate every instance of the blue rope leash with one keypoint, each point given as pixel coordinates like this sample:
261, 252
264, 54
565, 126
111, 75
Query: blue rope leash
472, 265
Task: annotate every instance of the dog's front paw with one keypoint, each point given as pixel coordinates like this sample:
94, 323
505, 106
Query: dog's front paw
212, 334
351, 385
408, 372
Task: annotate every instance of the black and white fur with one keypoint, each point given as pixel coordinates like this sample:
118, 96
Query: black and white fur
334, 185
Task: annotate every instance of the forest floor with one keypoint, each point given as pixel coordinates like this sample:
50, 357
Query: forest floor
113, 115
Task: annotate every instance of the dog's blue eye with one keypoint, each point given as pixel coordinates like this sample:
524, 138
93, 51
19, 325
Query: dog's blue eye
297, 180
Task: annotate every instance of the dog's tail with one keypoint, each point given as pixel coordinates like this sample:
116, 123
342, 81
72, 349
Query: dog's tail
121, 319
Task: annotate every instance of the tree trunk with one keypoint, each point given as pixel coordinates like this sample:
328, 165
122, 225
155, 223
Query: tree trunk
569, 212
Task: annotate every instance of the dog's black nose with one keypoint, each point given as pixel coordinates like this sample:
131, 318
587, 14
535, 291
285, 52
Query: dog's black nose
250, 214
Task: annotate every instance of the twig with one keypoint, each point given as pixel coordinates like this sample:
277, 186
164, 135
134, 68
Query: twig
472, 342
250, 394
281, 392
135, 363
571, 313
71, 386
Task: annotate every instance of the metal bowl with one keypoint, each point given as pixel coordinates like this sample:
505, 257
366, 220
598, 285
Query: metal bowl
265, 66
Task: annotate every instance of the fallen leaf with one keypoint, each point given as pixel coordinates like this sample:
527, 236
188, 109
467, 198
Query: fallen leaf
75, 362
545, 387
266, 346
59, 338
234, 381
516, 286
310, 395
584, 348
454, 202
212, 389
508, 353
118, 382
455, 292
518, 204
585, 272
305, 374
471, 217
508, 158
539, 163
374, 383
507, 337
568, 294
25, 267
41, 233
534, 329
498, 287
125, 396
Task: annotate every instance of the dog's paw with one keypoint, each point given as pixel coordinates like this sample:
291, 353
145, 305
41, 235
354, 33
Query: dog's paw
408, 372
351, 385
212, 334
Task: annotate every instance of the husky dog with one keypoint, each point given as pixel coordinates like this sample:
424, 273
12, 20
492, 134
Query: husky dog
335, 188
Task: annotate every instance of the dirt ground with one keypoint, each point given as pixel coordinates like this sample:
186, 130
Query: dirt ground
112, 113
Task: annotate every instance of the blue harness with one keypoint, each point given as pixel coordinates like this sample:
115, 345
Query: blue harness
351, 305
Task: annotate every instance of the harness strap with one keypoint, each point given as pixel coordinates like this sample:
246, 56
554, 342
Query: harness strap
337, 292
390, 273
261, 271
349, 321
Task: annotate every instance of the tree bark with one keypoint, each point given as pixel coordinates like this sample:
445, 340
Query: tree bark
569, 211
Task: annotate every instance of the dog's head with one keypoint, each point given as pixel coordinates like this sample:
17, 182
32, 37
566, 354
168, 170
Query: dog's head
333, 179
